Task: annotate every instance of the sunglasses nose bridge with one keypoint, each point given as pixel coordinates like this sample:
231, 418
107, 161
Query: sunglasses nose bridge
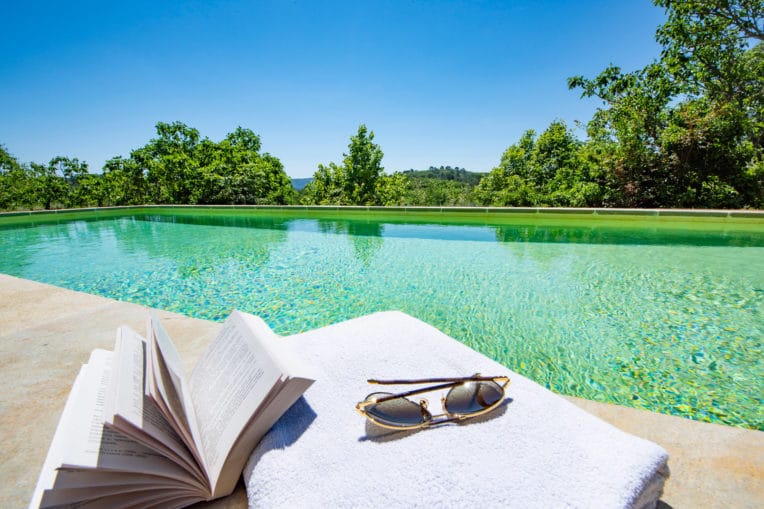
426, 415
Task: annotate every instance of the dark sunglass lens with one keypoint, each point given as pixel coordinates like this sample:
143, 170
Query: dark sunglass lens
472, 397
395, 412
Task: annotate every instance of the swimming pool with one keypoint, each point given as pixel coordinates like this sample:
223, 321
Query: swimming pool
662, 314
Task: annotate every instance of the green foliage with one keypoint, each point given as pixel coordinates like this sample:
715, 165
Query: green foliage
444, 186
551, 170
234, 172
176, 167
179, 167
327, 187
686, 130
124, 182
503, 189
87, 191
56, 184
356, 182
704, 42
171, 169
363, 167
14, 182
8, 163
446, 173
437, 192
393, 190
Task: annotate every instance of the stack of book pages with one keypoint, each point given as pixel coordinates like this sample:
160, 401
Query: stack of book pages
135, 432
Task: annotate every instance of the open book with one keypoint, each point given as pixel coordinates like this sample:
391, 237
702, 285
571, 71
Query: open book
135, 432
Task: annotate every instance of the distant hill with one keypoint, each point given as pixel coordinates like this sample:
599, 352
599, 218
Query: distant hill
457, 174
299, 184
447, 173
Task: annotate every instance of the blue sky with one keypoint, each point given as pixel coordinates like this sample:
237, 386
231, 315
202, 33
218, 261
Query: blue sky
439, 83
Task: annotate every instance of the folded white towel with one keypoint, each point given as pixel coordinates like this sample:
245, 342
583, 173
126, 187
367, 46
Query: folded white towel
537, 450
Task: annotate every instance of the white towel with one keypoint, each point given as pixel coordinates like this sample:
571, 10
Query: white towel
536, 451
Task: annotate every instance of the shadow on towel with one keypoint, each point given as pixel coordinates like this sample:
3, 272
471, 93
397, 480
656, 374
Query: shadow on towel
288, 430
379, 434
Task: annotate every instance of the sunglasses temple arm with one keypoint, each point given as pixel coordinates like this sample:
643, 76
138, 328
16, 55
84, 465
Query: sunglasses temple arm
446, 385
475, 378
415, 391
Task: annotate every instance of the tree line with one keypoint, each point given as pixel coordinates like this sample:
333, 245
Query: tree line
687, 130
176, 167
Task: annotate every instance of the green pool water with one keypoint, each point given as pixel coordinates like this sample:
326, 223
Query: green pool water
662, 314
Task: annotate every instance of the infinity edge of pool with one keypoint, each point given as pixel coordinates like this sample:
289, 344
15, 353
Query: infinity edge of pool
691, 219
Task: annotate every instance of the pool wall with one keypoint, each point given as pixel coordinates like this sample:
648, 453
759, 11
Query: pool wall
745, 220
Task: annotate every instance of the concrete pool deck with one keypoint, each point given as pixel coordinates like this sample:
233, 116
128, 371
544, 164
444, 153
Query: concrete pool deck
47, 332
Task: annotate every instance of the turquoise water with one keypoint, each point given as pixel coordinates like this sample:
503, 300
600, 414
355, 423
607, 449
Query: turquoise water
665, 319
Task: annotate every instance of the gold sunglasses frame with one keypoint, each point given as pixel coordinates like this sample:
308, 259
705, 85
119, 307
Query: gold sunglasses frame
427, 418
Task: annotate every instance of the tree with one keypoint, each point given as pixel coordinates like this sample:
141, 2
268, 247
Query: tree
689, 125
14, 181
170, 166
89, 191
237, 173
543, 171
8, 163
176, 167
181, 167
705, 42
391, 190
327, 186
714, 50
555, 164
446, 173
124, 182
438, 192
54, 184
355, 181
363, 167
509, 184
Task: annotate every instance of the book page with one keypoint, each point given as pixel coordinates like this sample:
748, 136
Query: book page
137, 499
67, 478
233, 377
90, 444
70, 496
258, 426
296, 376
150, 383
135, 414
170, 391
58, 444
285, 357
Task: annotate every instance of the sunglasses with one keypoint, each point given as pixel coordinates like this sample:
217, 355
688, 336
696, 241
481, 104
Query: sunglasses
466, 398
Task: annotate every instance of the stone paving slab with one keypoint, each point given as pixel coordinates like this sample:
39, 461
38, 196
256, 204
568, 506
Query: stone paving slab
711, 465
46, 333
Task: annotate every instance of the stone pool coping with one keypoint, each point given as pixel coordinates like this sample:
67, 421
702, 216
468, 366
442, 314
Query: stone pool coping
47, 332
429, 210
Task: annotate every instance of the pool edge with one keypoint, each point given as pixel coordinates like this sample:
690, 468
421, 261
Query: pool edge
540, 211
712, 464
